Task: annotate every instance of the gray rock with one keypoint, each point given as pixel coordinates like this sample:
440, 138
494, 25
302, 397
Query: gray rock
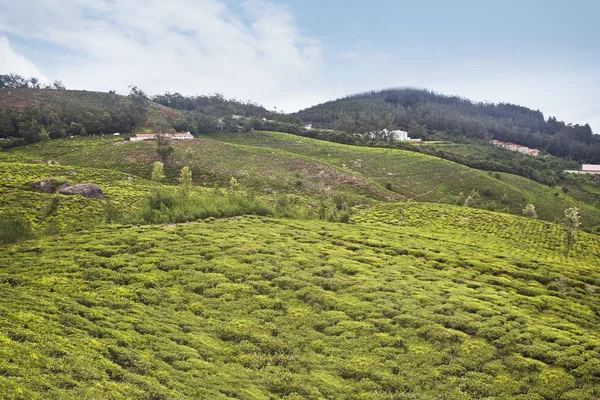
43, 187
88, 190
268, 191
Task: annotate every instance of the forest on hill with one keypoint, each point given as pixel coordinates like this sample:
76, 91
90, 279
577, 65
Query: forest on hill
30, 113
426, 114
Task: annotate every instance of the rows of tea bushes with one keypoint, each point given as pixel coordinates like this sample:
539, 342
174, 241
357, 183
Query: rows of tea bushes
260, 308
425, 178
25, 212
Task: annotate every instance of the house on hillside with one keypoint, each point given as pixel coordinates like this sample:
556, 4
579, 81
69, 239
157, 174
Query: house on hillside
308, 127
180, 136
589, 169
142, 136
151, 136
397, 135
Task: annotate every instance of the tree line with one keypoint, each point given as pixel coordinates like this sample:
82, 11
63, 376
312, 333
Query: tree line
426, 114
15, 81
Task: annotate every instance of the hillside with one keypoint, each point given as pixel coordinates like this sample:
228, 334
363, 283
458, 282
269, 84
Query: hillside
426, 114
260, 308
264, 161
425, 178
24, 112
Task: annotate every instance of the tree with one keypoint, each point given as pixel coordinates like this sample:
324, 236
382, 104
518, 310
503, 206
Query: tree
139, 104
185, 181
44, 137
57, 130
572, 223
30, 130
157, 172
164, 148
234, 185
529, 211
58, 85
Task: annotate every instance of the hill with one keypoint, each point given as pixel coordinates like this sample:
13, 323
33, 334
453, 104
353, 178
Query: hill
25, 112
265, 161
425, 178
288, 268
428, 114
260, 308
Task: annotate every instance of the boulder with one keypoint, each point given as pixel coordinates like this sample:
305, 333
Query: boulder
88, 190
43, 187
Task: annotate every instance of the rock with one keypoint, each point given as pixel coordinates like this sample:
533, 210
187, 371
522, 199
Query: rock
72, 173
268, 191
129, 179
88, 190
43, 187
51, 162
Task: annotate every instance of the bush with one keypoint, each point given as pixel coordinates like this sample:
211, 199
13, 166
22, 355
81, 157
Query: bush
14, 228
165, 206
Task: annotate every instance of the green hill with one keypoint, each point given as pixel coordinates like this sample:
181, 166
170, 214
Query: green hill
413, 298
24, 112
431, 304
265, 161
425, 114
425, 178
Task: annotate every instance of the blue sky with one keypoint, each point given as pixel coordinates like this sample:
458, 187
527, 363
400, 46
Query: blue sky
293, 54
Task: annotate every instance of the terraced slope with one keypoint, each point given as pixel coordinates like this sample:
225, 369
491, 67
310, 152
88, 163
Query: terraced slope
425, 178
432, 303
288, 163
212, 163
60, 213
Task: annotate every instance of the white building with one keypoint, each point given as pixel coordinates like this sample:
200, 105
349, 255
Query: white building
589, 169
151, 136
397, 135
308, 127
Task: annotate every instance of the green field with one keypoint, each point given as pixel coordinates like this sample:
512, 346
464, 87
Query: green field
425, 178
291, 164
409, 301
412, 299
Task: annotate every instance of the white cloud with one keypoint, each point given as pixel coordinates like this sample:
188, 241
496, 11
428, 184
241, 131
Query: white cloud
10, 61
254, 51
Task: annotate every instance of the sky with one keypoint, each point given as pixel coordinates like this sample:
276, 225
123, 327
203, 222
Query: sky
291, 54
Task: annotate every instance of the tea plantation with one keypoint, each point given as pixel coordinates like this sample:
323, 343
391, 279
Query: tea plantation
114, 299
426, 178
407, 302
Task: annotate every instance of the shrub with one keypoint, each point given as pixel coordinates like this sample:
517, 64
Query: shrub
165, 206
529, 211
14, 227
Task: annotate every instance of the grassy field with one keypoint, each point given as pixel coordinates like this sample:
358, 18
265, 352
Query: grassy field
213, 163
409, 301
